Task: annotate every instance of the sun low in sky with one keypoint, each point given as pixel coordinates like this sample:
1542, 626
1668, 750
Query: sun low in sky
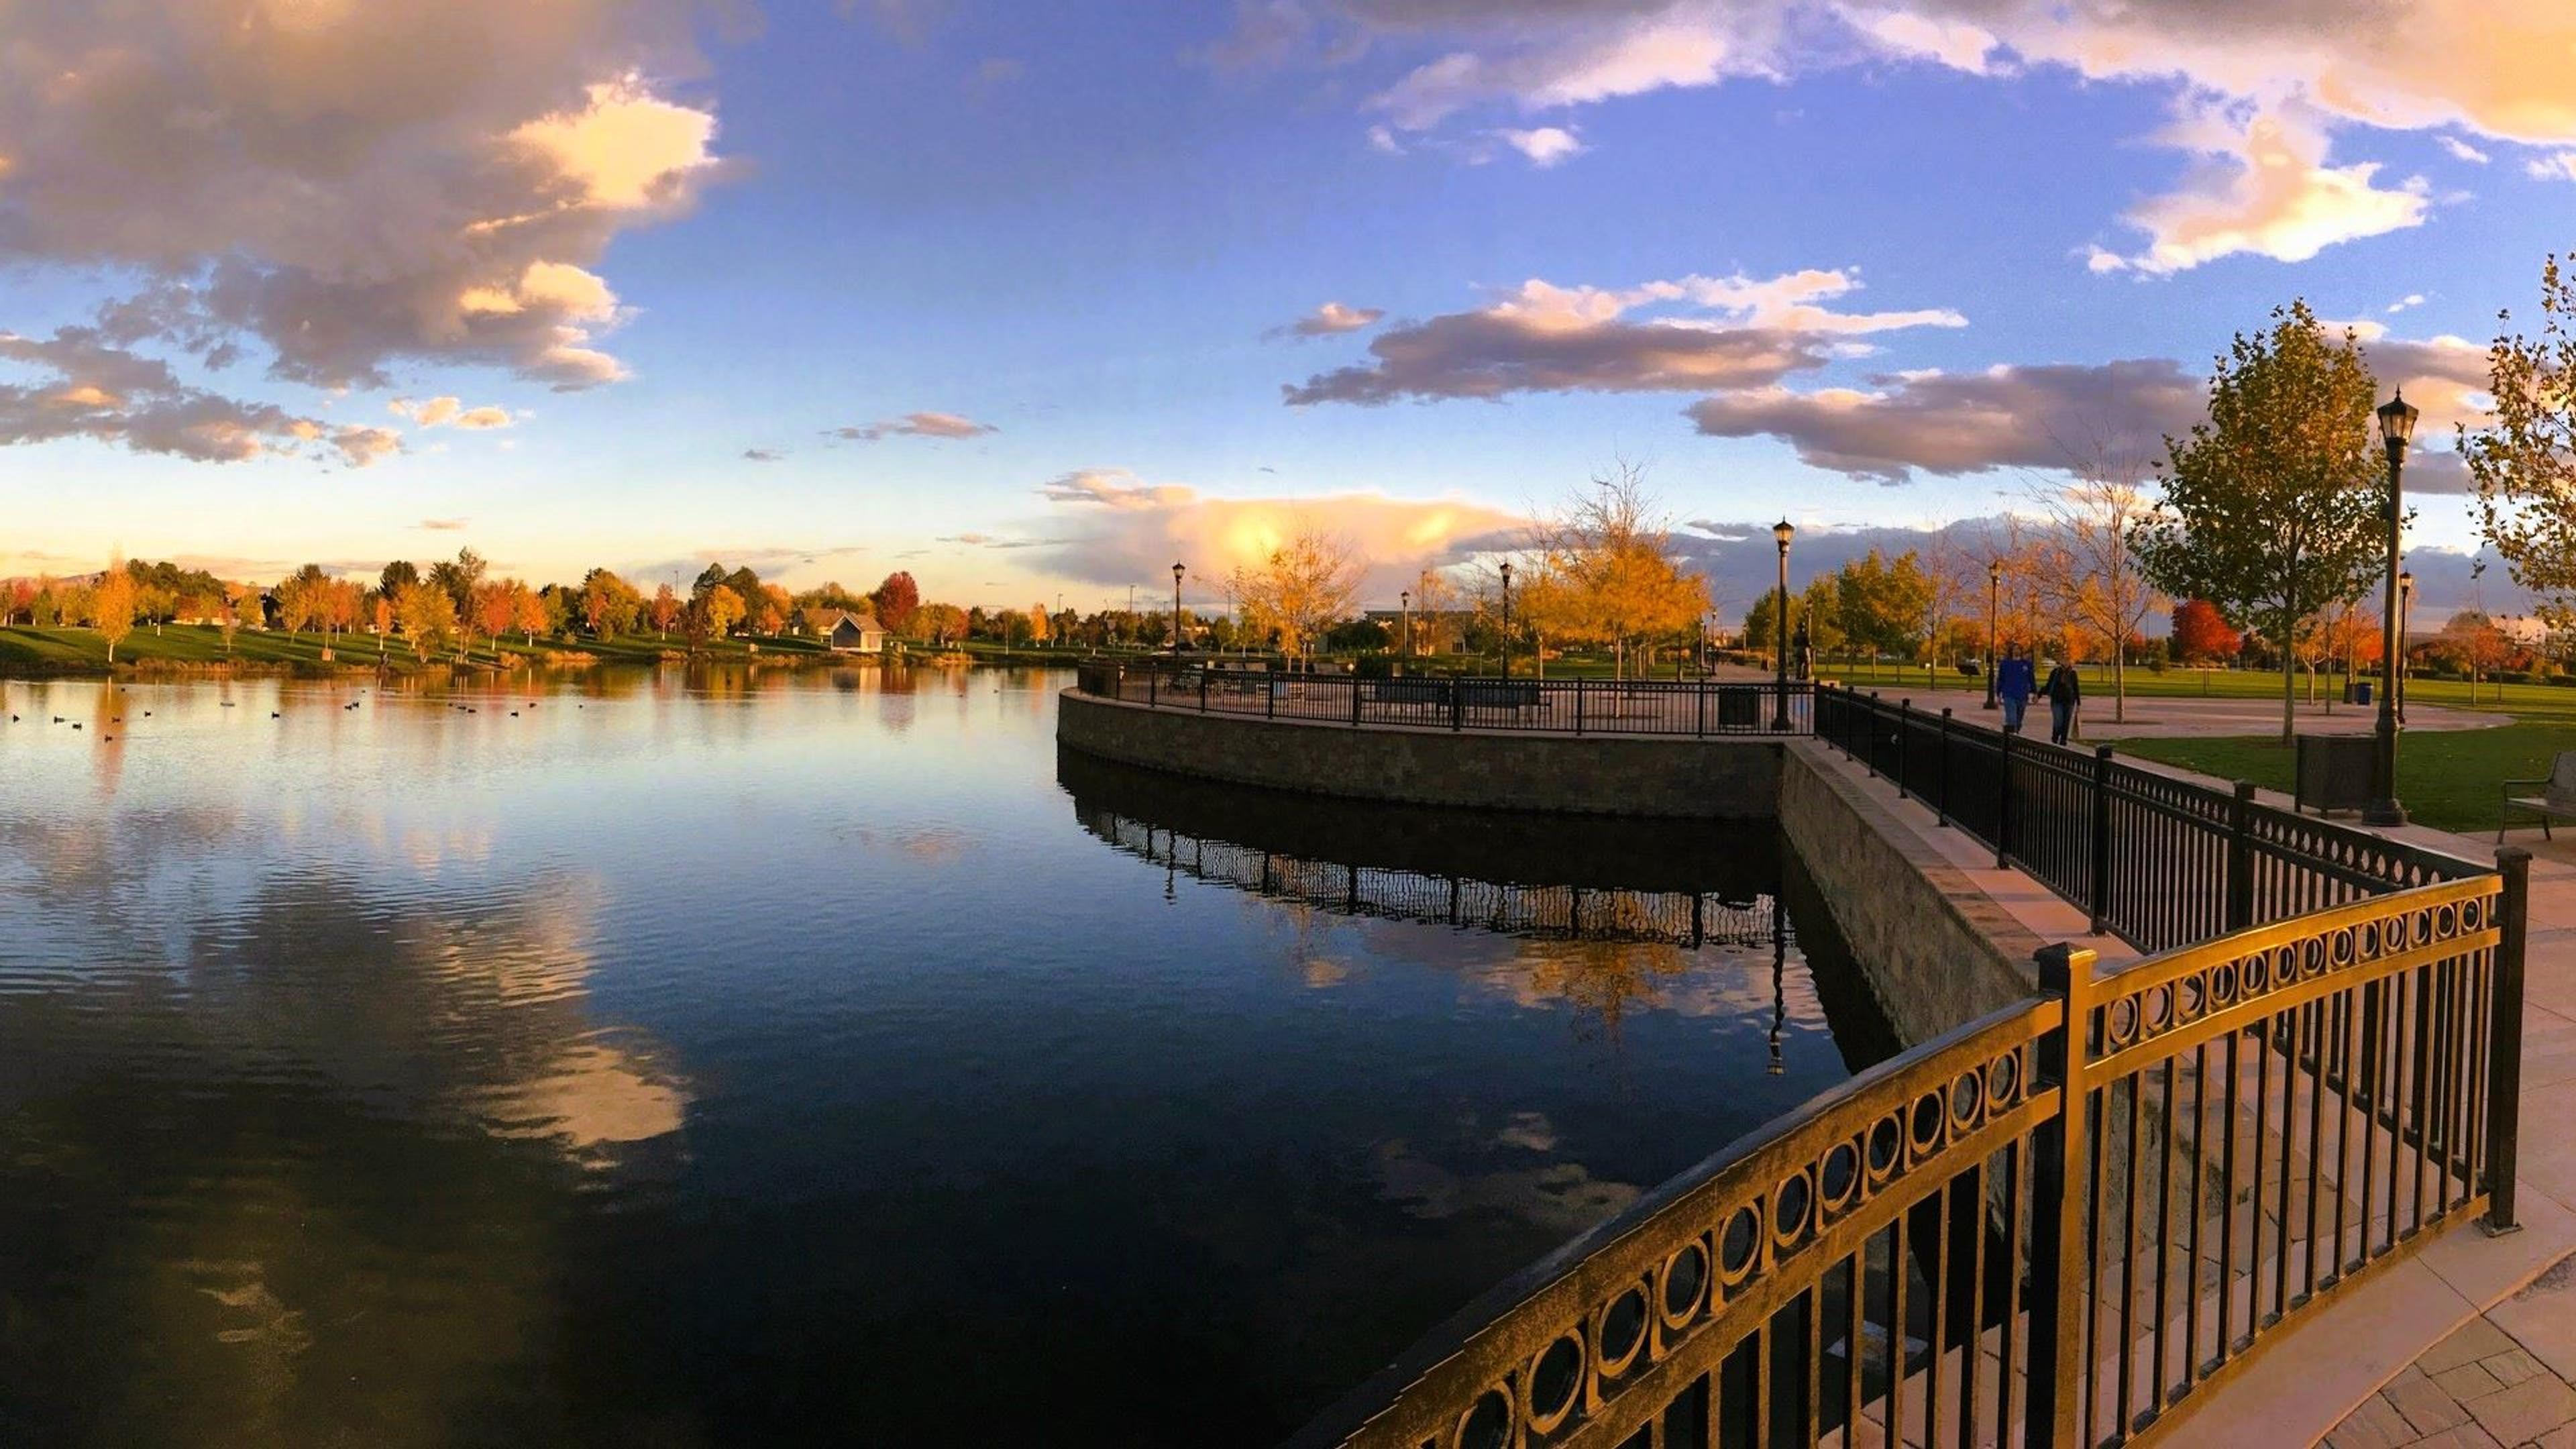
1037, 299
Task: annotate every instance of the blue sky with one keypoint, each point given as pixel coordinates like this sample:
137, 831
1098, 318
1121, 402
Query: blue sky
661, 254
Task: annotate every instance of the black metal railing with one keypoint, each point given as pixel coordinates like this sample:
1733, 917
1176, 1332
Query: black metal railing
1661, 707
2062, 1225
2065, 1224
2155, 860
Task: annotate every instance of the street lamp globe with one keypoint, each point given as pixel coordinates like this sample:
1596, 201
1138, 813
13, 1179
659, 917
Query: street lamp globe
2397, 421
1784, 531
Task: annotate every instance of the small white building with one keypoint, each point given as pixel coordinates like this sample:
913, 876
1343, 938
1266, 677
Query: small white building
844, 631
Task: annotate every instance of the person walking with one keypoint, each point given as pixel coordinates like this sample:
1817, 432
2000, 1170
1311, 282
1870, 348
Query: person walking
2065, 692
2013, 687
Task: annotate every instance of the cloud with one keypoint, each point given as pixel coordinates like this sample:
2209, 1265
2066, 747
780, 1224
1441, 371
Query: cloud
762, 455
441, 525
917, 425
1111, 529
2558, 166
1330, 319
86, 387
2261, 186
2462, 151
448, 412
986, 540
1546, 146
1523, 54
2411, 299
1950, 424
2045, 416
1113, 488
1544, 338
348, 187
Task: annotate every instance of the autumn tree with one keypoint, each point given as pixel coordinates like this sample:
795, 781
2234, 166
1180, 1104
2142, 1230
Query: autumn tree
2201, 634
608, 604
427, 614
1306, 583
496, 609
894, 602
114, 602
938, 623
395, 575
1612, 557
1881, 604
2089, 570
2523, 463
528, 608
723, 609
1041, 628
2276, 506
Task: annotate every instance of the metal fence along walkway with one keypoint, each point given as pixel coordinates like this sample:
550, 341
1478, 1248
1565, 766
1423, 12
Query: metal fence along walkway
2064, 1224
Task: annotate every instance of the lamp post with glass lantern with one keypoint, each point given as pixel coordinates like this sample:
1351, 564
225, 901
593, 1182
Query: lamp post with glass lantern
1782, 531
2396, 425
1994, 603
1177, 571
1507, 619
1407, 597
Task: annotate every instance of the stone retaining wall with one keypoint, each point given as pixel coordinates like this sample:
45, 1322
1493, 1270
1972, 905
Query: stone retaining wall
1719, 779
1936, 950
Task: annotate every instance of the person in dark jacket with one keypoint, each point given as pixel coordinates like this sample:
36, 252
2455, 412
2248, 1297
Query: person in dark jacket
2064, 692
2013, 686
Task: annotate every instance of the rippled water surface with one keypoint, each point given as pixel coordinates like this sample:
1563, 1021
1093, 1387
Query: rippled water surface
657, 1058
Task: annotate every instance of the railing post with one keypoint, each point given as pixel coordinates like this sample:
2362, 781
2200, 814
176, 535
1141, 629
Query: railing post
1941, 770
1457, 705
1355, 700
1272, 684
1152, 688
1904, 727
1699, 706
1869, 738
2003, 799
2504, 1045
2101, 892
2240, 858
1578, 704
1203, 688
2057, 1149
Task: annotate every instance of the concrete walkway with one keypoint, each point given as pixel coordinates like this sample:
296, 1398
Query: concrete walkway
2507, 1375
2166, 718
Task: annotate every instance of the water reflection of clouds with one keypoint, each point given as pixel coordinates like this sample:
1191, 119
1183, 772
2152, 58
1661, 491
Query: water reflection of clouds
1561, 1197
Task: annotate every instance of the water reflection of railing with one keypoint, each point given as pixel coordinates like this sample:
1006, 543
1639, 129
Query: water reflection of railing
1675, 918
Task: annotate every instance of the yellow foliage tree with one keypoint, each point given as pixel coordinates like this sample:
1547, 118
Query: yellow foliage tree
114, 601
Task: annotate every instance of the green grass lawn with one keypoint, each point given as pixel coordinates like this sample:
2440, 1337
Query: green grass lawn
2448, 779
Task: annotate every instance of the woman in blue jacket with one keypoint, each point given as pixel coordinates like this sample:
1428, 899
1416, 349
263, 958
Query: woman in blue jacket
2014, 683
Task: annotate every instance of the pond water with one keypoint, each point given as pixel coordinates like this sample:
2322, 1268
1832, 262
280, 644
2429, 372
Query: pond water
674, 1058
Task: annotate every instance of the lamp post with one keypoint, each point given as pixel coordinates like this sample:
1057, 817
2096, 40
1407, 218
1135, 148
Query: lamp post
1507, 619
1782, 531
2396, 425
1177, 571
1407, 597
2405, 618
1994, 601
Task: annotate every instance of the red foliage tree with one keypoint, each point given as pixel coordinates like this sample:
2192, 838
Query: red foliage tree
2201, 634
895, 600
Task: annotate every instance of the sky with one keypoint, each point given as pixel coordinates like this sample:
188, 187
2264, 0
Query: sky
1034, 300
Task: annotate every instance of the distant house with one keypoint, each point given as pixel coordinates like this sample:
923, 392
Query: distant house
845, 631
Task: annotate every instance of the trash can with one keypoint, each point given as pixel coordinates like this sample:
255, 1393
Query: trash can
2361, 691
2334, 772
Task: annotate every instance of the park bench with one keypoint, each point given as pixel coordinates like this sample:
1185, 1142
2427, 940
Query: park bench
2557, 798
